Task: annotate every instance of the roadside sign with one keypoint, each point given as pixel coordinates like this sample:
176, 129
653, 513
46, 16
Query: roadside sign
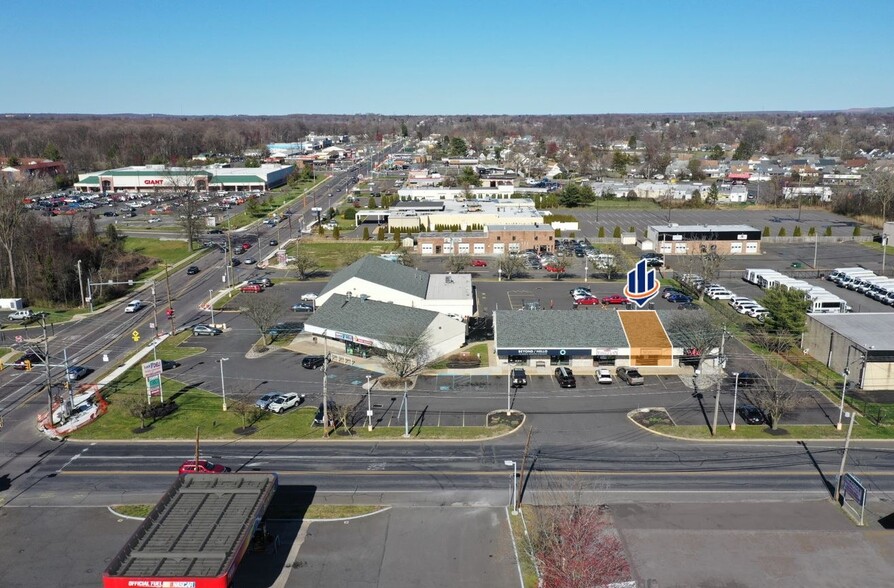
135, 335
153, 386
19, 338
152, 368
851, 488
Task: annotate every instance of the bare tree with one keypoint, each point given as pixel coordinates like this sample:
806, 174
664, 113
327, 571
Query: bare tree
242, 405
511, 265
183, 182
696, 331
457, 262
12, 217
880, 184
136, 406
407, 257
775, 394
407, 351
614, 262
561, 264
263, 311
344, 413
304, 263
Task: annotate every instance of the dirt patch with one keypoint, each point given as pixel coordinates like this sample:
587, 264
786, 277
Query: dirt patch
514, 419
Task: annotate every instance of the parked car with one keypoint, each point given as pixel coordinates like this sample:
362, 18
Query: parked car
249, 261
265, 400
199, 330
22, 315
202, 467
192, 270
252, 288
285, 329
604, 376
302, 307
246, 246
670, 292
274, 242
266, 282
752, 415
519, 377
133, 306
283, 402
615, 299
631, 376
565, 377
587, 301
154, 220
235, 261
167, 364
312, 362
679, 298
309, 297
478, 263
581, 292
76, 372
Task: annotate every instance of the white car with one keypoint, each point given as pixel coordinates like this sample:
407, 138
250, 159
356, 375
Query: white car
604, 376
154, 220
719, 294
283, 402
309, 297
133, 306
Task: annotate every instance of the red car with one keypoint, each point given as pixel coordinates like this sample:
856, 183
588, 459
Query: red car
252, 288
479, 263
556, 269
204, 467
614, 299
246, 246
588, 300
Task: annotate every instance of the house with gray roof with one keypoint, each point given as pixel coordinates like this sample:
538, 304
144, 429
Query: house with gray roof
374, 278
362, 325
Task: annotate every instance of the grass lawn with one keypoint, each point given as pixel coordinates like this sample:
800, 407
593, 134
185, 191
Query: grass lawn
529, 572
863, 429
623, 204
201, 409
5, 350
167, 251
481, 350
332, 255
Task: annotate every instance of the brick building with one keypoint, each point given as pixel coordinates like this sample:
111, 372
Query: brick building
692, 239
493, 240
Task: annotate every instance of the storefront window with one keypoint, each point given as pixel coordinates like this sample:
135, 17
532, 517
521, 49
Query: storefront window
559, 360
522, 359
357, 349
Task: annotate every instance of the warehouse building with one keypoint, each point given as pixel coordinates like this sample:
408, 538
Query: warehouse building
366, 327
589, 338
378, 279
858, 342
493, 240
674, 239
437, 215
160, 178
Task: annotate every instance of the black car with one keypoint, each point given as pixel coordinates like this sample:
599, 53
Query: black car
167, 364
274, 242
519, 377
313, 362
752, 415
236, 261
192, 270
215, 232
303, 307
34, 358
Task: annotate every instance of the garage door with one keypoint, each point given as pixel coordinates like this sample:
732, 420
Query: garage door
479, 247
499, 248
463, 247
735, 248
427, 248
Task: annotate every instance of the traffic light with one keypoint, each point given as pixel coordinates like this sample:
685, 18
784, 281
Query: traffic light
27, 365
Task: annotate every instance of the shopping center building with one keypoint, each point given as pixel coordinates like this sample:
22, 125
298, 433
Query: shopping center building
589, 338
160, 178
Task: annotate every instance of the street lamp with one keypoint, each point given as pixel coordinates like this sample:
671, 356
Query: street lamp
211, 304
509, 392
884, 251
586, 269
499, 274
695, 375
846, 373
369, 411
735, 396
223, 388
514, 466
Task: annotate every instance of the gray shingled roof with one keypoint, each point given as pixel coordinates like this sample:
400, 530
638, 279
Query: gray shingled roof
558, 328
369, 318
386, 273
589, 327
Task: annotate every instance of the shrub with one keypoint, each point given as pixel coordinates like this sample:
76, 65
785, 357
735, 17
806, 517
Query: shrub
366, 233
617, 233
782, 232
811, 232
601, 232
856, 231
349, 213
766, 232
797, 231
828, 231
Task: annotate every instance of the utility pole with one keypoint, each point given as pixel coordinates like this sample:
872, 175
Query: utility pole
155, 321
716, 409
46, 363
170, 310
67, 382
81, 283
325, 382
847, 443
406, 412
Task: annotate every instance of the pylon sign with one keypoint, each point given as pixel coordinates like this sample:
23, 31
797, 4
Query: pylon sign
642, 284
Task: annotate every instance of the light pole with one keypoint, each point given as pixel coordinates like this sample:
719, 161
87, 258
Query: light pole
847, 442
369, 408
509, 392
514, 466
884, 251
846, 373
223, 388
586, 269
211, 304
816, 246
735, 396
499, 274
695, 374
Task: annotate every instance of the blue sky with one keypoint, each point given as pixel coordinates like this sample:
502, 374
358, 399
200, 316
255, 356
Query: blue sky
449, 57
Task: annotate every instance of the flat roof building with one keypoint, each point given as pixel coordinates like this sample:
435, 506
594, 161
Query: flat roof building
858, 342
674, 239
160, 178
